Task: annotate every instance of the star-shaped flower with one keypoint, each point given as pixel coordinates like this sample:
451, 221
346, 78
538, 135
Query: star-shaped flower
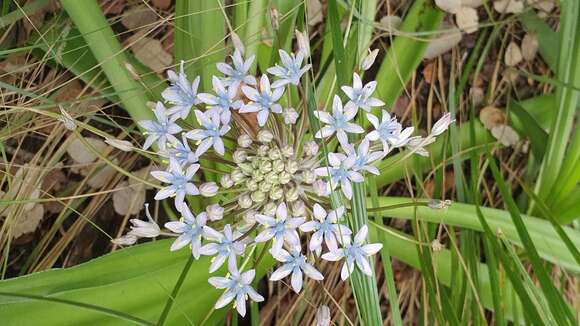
181, 93
364, 158
191, 228
360, 96
296, 264
237, 286
179, 182
223, 101
160, 130
387, 131
354, 252
224, 247
290, 71
340, 172
211, 133
181, 152
325, 226
280, 229
338, 122
263, 101
239, 73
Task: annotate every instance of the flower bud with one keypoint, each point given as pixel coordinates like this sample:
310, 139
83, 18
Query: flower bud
320, 188
245, 140
272, 178
290, 116
257, 175
276, 193
284, 177
250, 217
291, 167
292, 194
265, 136
274, 154
240, 156
287, 151
226, 181
245, 201
144, 229
208, 189
298, 208
442, 124
263, 150
119, 144
310, 148
246, 168
308, 177
238, 176
266, 167
303, 42
252, 185
258, 196
270, 209
278, 166
368, 61
126, 240
215, 212
265, 186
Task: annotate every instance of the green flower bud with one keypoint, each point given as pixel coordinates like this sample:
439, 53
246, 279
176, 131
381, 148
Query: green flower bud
278, 166
308, 177
292, 194
291, 166
265, 186
252, 185
247, 169
284, 177
276, 193
258, 196
266, 167
265, 136
270, 209
272, 178
287, 151
238, 176
240, 156
226, 181
274, 154
245, 141
250, 217
263, 150
257, 175
245, 201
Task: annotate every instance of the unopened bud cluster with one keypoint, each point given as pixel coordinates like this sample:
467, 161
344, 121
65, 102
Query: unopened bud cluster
267, 172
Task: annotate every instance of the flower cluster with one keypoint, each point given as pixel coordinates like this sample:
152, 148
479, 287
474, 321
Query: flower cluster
274, 181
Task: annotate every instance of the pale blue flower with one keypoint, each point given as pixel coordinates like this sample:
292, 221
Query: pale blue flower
338, 122
224, 247
263, 101
280, 229
239, 73
223, 101
340, 172
360, 96
325, 227
210, 135
388, 130
294, 263
364, 158
354, 252
290, 72
160, 130
238, 286
182, 153
179, 182
181, 94
191, 229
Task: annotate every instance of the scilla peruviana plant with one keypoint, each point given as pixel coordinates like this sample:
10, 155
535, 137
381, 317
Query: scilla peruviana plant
276, 182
